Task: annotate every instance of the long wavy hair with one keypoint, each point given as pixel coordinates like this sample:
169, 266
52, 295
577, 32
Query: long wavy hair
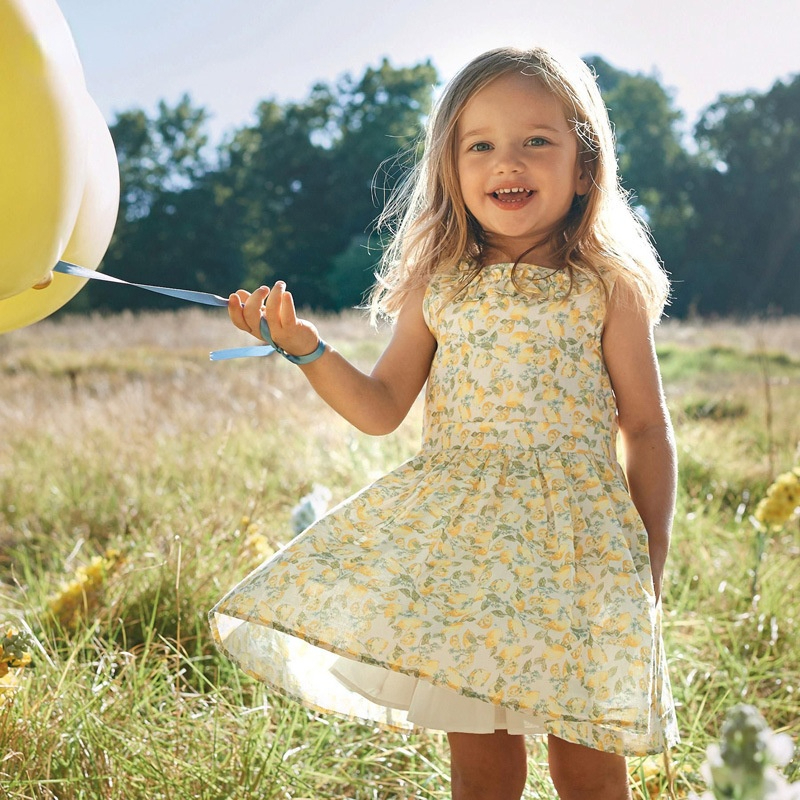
430, 228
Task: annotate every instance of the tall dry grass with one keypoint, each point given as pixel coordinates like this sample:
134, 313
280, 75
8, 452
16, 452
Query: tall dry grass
118, 433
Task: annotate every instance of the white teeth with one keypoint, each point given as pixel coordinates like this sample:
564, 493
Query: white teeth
515, 190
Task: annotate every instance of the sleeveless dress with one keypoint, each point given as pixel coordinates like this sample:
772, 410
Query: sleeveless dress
499, 579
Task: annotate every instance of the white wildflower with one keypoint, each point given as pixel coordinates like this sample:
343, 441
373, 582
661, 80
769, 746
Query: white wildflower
743, 765
310, 508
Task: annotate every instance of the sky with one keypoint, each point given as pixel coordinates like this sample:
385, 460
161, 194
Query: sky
230, 54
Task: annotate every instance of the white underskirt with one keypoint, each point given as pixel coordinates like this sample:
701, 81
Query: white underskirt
429, 706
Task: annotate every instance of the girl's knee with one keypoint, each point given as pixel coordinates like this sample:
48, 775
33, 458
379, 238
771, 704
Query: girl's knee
490, 766
581, 773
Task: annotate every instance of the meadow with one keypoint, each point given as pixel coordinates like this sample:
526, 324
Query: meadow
139, 481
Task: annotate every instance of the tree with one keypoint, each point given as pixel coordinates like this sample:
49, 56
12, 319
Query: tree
291, 196
744, 244
377, 130
169, 229
160, 155
655, 166
276, 180
295, 194
303, 177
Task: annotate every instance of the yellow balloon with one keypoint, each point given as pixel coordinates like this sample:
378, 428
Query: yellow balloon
90, 236
42, 140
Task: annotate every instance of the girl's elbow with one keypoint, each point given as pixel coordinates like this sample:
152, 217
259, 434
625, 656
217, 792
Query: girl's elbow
377, 430
654, 424
659, 429
378, 426
381, 419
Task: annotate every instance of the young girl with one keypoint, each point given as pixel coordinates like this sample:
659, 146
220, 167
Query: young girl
506, 580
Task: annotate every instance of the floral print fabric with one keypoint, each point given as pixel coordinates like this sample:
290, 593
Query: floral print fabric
505, 562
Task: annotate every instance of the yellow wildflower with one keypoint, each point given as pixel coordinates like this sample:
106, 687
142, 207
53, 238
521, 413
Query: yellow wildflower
14, 655
650, 776
81, 595
256, 547
8, 684
782, 500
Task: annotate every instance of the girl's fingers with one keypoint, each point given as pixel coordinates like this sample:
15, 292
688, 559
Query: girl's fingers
276, 305
286, 330
235, 306
244, 309
251, 311
287, 310
272, 308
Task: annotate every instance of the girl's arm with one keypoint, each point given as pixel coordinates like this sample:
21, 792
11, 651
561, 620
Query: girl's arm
647, 438
376, 403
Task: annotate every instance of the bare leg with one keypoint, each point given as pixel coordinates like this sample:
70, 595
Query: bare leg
487, 766
580, 773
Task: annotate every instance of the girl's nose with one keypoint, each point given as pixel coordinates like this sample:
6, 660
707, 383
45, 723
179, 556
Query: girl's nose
507, 161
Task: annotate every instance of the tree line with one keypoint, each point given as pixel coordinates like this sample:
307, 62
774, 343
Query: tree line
294, 195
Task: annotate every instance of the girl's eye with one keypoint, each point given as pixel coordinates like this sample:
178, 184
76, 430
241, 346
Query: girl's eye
480, 147
537, 141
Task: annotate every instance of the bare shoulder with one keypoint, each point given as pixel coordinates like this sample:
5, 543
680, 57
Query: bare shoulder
412, 315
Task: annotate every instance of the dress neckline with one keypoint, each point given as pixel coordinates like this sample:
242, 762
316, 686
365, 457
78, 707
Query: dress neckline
505, 264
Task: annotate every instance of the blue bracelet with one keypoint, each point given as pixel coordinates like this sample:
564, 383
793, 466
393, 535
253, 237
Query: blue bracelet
265, 335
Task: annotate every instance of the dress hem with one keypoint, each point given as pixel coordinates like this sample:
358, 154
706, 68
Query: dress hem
406, 727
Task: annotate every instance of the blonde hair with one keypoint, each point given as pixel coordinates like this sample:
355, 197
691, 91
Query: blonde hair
431, 230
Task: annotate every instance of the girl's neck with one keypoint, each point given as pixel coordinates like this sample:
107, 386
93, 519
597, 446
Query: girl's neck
497, 253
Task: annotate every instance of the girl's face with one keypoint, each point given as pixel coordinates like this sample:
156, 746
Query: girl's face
518, 166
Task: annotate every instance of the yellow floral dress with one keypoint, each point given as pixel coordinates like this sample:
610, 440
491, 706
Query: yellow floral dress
500, 578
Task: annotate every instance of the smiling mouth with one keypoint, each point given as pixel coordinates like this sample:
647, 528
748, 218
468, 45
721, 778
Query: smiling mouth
512, 195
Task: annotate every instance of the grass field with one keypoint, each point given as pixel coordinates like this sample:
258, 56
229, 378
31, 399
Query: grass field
139, 481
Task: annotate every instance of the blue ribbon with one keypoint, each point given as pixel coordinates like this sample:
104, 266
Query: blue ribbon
241, 352
204, 298
182, 294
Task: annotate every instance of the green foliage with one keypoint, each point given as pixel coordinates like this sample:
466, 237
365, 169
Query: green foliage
714, 408
682, 362
654, 164
303, 178
174, 226
353, 273
294, 194
646, 125
744, 245
160, 155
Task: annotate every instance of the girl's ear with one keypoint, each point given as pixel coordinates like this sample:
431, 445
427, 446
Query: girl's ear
583, 179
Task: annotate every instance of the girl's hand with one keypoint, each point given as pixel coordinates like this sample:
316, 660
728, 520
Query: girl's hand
296, 336
375, 403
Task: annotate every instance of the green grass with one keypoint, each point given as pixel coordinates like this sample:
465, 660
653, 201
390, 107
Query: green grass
682, 363
118, 433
